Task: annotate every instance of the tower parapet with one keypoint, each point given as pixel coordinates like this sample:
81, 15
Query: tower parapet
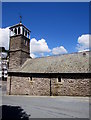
19, 29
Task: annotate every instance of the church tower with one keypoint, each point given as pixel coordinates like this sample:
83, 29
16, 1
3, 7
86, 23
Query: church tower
19, 49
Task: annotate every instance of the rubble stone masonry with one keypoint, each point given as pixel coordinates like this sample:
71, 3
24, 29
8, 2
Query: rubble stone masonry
41, 86
19, 51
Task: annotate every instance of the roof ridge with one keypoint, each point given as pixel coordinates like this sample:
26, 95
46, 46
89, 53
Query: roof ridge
60, 55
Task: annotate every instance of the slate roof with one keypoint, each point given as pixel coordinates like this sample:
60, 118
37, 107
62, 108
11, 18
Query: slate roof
67, 63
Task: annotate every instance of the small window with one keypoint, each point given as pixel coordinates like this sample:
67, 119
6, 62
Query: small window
84, 54
59, 79
30, 79
26, 43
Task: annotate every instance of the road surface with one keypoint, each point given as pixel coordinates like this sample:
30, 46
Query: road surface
50, 107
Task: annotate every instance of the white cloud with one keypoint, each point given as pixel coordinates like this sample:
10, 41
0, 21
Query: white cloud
33, 55
59, 50
4, 37
39, 46
84, 42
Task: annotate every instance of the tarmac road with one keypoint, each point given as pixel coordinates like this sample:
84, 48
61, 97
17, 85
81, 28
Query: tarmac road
50, 107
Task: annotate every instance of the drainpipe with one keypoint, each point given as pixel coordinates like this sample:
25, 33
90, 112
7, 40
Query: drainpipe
50, 88
10, 87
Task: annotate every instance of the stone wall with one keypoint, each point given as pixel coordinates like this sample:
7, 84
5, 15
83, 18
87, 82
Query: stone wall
19, 51
19, 42
17, 59
24, 57
41, 86
24, 86
15, 43
71, 87
14, 59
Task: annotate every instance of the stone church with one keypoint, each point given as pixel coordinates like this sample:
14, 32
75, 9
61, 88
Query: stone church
61, 75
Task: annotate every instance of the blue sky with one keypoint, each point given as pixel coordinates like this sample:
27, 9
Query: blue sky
59, 24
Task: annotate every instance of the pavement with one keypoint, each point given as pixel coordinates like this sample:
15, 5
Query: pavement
50, 107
